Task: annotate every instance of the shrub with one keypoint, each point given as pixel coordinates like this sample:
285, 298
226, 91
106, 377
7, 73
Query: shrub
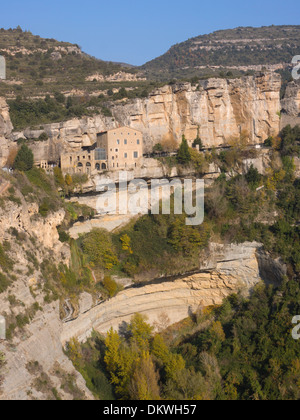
110, 285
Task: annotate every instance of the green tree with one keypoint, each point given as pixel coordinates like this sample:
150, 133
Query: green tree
141, 331
24, 160
184, 155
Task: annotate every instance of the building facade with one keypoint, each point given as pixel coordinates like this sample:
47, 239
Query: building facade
123, 146
117, 149
83, 162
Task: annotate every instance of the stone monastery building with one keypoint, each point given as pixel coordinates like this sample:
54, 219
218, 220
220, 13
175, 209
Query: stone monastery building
116, 149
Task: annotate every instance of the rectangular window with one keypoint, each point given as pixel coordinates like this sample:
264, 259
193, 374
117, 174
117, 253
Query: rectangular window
135, 155
125, 141
125, 155
100, 154
118, 141
138, 142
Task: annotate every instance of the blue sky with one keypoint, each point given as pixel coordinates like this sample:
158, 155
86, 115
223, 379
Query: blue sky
135, 31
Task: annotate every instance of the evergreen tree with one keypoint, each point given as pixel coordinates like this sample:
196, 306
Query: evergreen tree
184, 155
24, 159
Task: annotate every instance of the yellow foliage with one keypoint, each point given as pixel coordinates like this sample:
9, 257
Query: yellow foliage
74, 350
126, 243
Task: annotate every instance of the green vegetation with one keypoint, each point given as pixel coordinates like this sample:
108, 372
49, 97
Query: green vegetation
241, 350
226, 48
24, 159
46, 65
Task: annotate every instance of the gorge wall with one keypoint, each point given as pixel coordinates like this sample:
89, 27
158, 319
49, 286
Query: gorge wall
225, 270
220, 109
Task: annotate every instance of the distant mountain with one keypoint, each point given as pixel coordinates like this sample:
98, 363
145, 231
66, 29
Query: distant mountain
239, 49
36, 65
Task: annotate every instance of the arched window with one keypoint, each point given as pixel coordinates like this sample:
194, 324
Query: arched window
88, 167
97, 166
79, 167
103, 165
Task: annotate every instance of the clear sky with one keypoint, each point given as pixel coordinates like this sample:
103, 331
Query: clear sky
136, 31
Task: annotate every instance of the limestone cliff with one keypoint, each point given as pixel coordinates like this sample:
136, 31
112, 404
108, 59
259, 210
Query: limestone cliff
291, 101
5, 131
219, 108
291, 105
34, 354
226, 269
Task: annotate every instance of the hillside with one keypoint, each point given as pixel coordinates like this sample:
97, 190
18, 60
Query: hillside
239, 49
37, 66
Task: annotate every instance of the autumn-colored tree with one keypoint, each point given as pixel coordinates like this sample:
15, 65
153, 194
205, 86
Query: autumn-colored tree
169, 144
13, 151
74, 352
126, 243
98, 246
144, 383
140, 331
119, 362
172, 363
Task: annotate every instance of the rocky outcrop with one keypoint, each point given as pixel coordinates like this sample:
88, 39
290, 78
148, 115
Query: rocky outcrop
121, 76
5, 131
24, 219
41, 348
225, 269
5, 123
175, 300
35, 361
291, 105
291, 101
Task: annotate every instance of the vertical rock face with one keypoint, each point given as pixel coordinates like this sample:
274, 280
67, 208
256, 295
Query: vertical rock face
219, 109
5, 123
5, 131
291, 101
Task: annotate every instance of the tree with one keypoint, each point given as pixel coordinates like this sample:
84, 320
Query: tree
11, 157
59, 178
98, 246
253, 177
184, 155
24, 159
158, 148
144, 383
198, 141
141, 331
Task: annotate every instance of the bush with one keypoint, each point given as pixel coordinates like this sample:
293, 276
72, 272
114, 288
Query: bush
110, 285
